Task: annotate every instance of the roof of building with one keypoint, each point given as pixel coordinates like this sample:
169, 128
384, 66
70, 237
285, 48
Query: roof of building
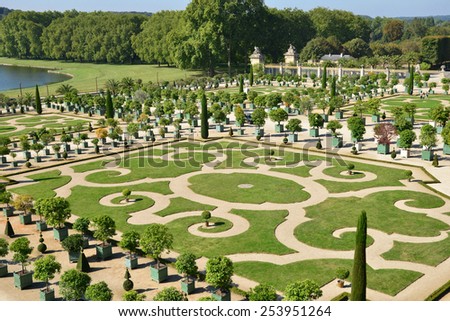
335, 57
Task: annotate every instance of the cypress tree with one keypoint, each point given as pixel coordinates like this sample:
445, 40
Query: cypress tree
359, 280
241, 84
38, 101
324, 77
411, 80
250, 76
109, 105
333, 87
204, 118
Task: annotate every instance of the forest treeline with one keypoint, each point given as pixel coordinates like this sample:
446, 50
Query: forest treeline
212, 32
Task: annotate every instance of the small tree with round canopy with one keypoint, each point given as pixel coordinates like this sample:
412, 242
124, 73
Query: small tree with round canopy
45, 269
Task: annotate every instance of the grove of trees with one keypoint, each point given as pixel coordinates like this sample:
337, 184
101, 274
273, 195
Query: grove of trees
213, 32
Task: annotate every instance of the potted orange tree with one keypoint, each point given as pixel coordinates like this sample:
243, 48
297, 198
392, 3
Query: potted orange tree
130, 242
186, 265
154, 241
105, 229
219, 271
22, 250
3, 252
24, 203
55, 210
44, 270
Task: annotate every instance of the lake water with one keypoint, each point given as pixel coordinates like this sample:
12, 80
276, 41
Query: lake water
12, 77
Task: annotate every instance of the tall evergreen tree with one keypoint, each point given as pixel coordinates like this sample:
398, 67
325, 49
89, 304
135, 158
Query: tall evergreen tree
204, 118
109, 105
324, 77
359, 280
411, 80
241, 84
250, 76
333, 87
38, 101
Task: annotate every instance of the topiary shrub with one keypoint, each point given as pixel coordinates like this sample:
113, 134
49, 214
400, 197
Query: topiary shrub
319, 144
206, 216
435, 161
350, 168
409, 175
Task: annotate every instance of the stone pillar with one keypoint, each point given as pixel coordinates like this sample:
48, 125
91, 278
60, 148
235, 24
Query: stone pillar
340, 73
361, 73
281, 68
319, 72
299, 70
388, 74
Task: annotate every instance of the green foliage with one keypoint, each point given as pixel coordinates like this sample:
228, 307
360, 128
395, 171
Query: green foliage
427, 136
82, 263
81, 224
306, 290
99, 292
342, 273
439, 293
9, 231
186, 264
262, 292
38, 101
294, 125
45, 268
22, 250
435, 49
315, 120
446, 134
73, 243
407, 137
73, 284
219, 271
259, 116
3, 247
155, 240
204, 117
133, 296
278, 115
55, 210
435, 162
169, 294
130, 241
333, 126
23, 203
359, 274
105, 228
128, 285
126, 193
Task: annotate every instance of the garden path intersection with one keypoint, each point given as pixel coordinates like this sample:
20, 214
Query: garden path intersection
181, 186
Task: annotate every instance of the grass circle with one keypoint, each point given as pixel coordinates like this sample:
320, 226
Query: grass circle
217, 225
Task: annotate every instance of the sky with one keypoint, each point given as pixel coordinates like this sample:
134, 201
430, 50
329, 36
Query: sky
373, 8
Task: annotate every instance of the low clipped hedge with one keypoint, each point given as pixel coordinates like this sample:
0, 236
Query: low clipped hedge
344, 296
439, 293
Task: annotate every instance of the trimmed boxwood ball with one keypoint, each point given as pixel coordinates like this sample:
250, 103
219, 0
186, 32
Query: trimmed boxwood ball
42, 248
128, 285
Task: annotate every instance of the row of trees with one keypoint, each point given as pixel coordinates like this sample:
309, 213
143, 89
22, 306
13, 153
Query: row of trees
204, 34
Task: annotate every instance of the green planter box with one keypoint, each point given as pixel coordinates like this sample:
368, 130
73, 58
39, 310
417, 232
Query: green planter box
41, 226
325, 117
73, 257
57, 155
279, 128
103, 252
427, 155
383, 149
60, 233
37, 159
376, 118
240, 131
188, 287
25, 219
195, 122
8, 211
131, 262
47, 296
339, 115
292, 138
158, 274
439, 129
23, 281
224, 296
78, 151
219, 128
85, 242
3, 160
259, 132
3, 270
446, 149
411, 119
314, 132
337, 142
26, 155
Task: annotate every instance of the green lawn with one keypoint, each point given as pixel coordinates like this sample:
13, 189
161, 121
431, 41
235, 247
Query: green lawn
180, 204
259, 238
302, 171
336, 171
100, 164
426, 253
423, 105
385, 177
85, 75
323, 271
217, 225
45, 184
264, 188
338, 213
92, 208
